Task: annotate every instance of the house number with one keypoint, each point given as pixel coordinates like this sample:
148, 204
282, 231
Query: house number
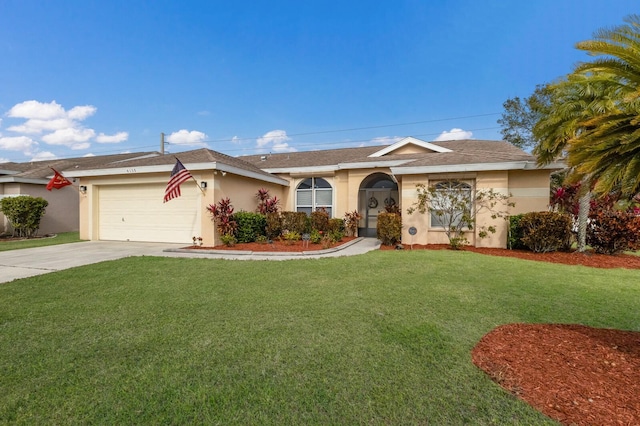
131, 170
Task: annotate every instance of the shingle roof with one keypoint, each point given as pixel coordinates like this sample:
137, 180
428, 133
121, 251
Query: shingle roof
463, 152
42, 169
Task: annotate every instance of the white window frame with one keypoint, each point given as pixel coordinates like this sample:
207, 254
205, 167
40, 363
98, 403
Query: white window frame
435, 222
314, 195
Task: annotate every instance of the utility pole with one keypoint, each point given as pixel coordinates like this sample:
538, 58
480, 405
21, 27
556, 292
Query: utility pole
162, 143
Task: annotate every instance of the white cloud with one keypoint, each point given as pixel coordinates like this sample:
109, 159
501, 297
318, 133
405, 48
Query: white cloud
81, 112
74, 138
235, 140
37, 110
58, 126
45, 155
89, 155
117, 138
204, 113
454, 135
185, 137
37, 126
17, 143
3, 160
277, 139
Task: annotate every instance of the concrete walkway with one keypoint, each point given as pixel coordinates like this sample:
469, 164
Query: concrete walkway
24, 263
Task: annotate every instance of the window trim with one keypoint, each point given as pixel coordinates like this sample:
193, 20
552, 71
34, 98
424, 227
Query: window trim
459, 182
313, 190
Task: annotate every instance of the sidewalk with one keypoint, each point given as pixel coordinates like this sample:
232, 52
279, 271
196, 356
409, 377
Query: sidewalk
24, 263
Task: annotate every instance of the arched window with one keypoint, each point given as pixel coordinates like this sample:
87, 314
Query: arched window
312, 194
451, 203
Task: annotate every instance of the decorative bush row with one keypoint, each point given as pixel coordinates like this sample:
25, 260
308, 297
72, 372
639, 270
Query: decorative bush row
609, 231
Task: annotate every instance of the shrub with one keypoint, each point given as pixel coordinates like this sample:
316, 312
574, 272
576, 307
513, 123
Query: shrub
389, 228
351, 221
294, 221
24, 214
228, 240
613, 231
315, 236
320, 220
266, 204
222, 213
290, 237
546, 231
249, 226
335, 225
514, 241
274, 225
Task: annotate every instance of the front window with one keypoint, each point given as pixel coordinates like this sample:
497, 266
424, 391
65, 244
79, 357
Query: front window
313, 194
451, 204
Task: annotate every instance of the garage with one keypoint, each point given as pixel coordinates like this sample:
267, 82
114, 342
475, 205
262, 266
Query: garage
136, 213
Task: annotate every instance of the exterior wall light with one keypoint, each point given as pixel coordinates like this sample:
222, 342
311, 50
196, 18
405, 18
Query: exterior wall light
203, 185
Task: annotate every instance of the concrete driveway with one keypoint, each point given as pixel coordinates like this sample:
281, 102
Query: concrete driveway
41, 260
24, 263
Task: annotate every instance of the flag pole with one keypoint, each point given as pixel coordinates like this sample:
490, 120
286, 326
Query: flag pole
194, 179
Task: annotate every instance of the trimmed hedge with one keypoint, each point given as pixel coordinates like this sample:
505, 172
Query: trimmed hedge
514, 241
389, 228
612, 231
546, 231
249, 226
24, 213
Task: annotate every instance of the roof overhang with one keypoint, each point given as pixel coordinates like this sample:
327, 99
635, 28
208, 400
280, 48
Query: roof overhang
409, 141
11, 179
166, 168
475, 167
340, 166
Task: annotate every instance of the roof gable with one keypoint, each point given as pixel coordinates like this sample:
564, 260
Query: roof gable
409, 142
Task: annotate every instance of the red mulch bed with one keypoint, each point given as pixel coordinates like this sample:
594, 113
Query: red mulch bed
570, 258
276, 246
574, 374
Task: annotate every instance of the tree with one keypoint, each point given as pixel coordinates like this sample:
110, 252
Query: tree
594, 119
24, 214
595, 115
454, 207
521, 115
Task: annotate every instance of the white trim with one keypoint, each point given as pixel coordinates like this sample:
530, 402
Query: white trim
474, 167
165, 168
335, 167
12, 179
406, 141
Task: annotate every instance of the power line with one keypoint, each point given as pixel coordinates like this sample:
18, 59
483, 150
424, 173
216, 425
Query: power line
315, 144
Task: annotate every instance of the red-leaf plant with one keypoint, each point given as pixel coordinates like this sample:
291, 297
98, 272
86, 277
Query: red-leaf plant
222, 213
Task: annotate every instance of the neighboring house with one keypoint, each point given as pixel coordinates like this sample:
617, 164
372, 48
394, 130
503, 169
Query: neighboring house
62, 212
124, 201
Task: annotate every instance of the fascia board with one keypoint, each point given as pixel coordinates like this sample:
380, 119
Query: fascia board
336, 167
166, 168
456, 168
9, 179
302, 170
373, 164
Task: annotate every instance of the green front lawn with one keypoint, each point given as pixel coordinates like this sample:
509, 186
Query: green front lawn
62, 238
383, 338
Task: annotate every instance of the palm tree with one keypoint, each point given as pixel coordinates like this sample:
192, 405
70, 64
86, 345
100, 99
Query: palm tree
594, 118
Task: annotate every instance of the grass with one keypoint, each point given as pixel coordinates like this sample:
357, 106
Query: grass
383, 338
62, 238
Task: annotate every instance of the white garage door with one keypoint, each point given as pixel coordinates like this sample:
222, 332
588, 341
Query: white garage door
137, 213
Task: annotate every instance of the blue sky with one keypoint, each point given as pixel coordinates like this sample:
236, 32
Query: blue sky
102, 77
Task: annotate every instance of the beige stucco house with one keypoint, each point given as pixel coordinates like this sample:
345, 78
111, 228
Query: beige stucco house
31, 178
124, 200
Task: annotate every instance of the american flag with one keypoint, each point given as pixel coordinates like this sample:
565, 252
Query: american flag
179, 174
